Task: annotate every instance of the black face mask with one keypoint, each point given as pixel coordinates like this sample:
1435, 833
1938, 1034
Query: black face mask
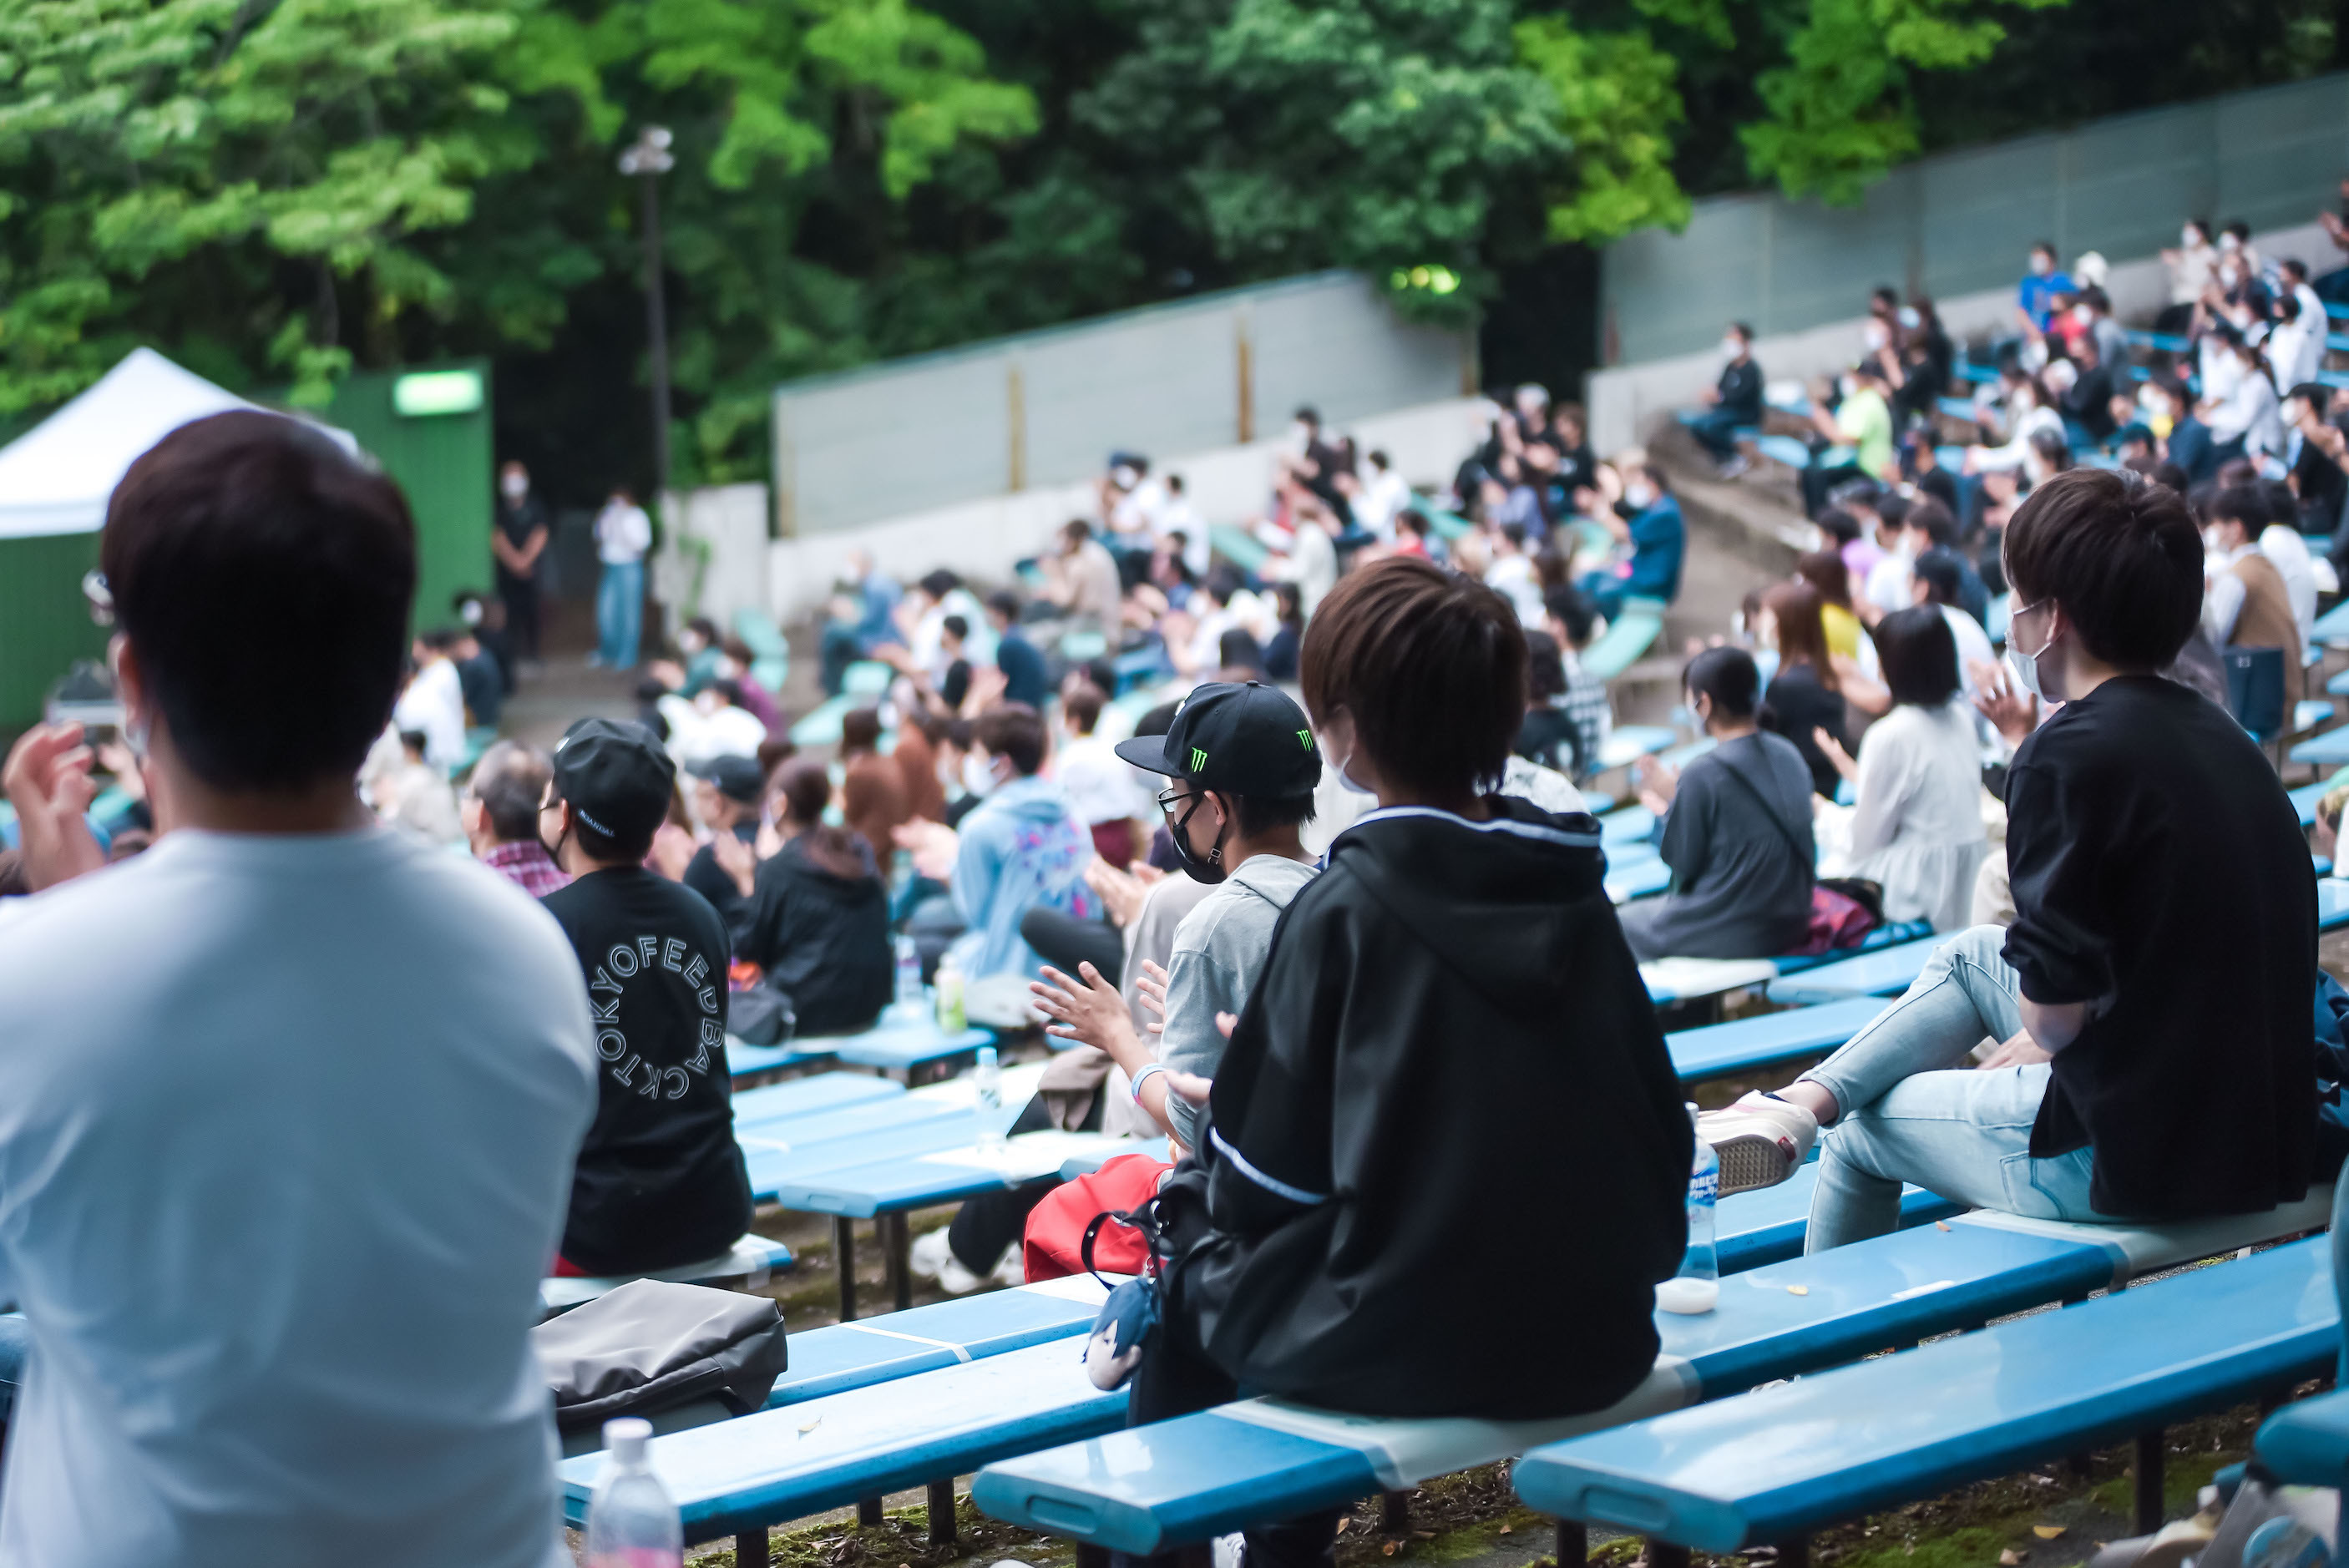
1209, 871
554, 850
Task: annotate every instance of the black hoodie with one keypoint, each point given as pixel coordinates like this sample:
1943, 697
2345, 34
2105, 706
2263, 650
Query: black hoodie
822, 939
1449, 1159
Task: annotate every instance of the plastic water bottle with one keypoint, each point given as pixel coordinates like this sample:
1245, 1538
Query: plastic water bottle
987, 1080
951, 1018
909, 977
631, 1520
1697, 1288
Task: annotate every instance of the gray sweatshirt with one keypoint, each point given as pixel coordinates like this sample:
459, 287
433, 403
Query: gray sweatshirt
1219, 951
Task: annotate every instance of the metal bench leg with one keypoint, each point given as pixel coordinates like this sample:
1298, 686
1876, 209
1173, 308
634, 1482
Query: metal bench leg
942, 1513
898, 1247
2150, 1462
1664, 1555
1394, 1512
868, 1513
1091, 1556
751, 1549
843, 1256
1794, 1553
1573, 1543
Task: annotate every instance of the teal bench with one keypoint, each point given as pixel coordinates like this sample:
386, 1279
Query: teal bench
1150, 1488
1723, 1477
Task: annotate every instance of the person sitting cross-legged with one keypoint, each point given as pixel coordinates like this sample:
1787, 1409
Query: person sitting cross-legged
2152, 995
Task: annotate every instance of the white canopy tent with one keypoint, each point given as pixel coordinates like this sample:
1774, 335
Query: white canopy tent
57, 477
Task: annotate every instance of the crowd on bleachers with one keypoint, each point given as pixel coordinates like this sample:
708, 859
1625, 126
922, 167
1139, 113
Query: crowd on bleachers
1280, 833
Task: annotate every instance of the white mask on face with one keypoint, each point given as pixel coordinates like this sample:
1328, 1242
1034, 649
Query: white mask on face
2188, 238
2040, 265
2229, 242
1876, 335
1909, 318
515, 486
978, 775
1639, 495
1730, 347
2083, 315
2027, 666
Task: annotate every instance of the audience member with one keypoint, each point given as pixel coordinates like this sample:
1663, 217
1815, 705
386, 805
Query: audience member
727, 792
1424, 924
1733, 403
1737, 829
416, 796
1648, 519
818, 926
1280, 653
873, 801
1804, 700
1021, 846
320, 1070
518, 543
1025, 680
1570, 620
2248, 604
2041, 284
1080, 578
433, 705
500, 817
1917, 826
2152, 995
1107, 796
623, 537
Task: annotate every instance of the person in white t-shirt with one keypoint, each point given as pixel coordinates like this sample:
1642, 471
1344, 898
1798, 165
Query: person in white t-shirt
624, 536
1109, 797
433, 704
1383, 497
289, 1102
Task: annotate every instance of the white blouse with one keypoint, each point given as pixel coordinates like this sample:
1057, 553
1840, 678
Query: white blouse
1917, 829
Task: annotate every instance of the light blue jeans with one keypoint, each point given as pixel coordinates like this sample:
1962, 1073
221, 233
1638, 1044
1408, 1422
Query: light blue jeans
620, 614
1913, 1110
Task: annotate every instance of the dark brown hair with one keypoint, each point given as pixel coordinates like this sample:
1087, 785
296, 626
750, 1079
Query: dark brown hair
2121, 555
1920, 654
1082, 708
1430, 665
804, 789
263, 578
1012, 729
859, 731
1824, 570
1802, 629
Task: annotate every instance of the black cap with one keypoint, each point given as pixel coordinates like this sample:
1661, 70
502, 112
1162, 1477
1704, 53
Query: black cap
1243, 739
735, 778
615, 777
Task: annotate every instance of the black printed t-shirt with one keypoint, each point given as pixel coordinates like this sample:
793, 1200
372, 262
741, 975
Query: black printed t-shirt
660, 1181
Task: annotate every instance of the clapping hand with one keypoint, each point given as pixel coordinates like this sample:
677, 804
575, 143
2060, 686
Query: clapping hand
48, 781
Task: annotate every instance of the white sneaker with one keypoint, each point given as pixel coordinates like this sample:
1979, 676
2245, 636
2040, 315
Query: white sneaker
1761, 1139
930, 1255
1011, 1268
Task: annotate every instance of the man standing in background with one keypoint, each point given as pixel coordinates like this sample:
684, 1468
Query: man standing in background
623, 537
518, 540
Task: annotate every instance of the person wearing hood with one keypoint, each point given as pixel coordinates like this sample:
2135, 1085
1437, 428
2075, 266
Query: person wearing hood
1453, 978
818, 922
1020, 848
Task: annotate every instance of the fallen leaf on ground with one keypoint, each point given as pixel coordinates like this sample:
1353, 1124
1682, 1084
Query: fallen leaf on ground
1345, 1524
1425, 1534
1799, 1290
2010, 1559
2047, 1532
1506, 1529
1388, 1550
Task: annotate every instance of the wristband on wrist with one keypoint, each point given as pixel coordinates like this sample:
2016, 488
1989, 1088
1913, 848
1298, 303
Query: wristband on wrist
1144, 1077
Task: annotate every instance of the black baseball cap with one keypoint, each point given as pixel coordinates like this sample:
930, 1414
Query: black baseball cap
735, 778
616, 776
1245, 739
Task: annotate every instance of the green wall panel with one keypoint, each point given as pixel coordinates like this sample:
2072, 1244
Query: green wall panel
44, 623
443, 462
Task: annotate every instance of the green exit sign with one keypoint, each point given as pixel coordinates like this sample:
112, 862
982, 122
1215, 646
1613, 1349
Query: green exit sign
428, 392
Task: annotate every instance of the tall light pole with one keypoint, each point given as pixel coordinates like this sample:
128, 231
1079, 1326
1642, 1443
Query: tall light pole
648, 159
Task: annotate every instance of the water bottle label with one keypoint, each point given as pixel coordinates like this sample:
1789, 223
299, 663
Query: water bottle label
1704, 1188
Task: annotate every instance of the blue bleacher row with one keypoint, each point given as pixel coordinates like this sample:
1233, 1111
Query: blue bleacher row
991, 1384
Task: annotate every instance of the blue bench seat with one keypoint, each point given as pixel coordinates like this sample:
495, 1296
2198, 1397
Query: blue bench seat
744, 1060
1722, 1050
1631, 825
871, 1407
1627, 743
2330, 749
902, 1046
808, 1095
1695, 979
1883, 972
1641, 877
1775, 1466
2304, 798
1198, 1476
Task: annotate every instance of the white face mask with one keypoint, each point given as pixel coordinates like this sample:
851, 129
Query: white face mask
515, 486
978, 774
2040, 265
1731, 348
1847, 386
2083, 315
1639, 495
2190, 238
1908, 317
2229, 242
2027, 666
1874, 334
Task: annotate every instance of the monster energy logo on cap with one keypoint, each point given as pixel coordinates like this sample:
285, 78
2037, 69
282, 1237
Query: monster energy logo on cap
1199, 759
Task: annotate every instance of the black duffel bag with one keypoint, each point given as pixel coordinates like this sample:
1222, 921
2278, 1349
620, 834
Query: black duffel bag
652, 1346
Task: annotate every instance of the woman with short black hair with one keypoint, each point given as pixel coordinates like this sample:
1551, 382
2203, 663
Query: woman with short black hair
1917, 829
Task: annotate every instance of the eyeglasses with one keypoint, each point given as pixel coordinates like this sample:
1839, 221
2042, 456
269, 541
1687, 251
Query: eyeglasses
1170, 799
